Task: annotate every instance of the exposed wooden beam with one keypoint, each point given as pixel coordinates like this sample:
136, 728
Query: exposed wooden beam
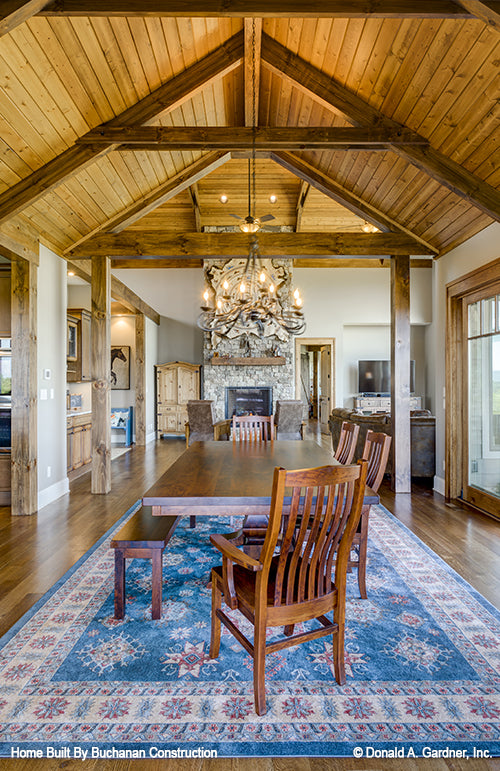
304, 190
15, 12
168, 96
154, 243
364, 262
253, 38
262, 8
140, 380
101, 378
400, 373
341, 195
330, 93
486, 11
24, 450
119, 291
236, 138
182, 181
195, 200
324, 262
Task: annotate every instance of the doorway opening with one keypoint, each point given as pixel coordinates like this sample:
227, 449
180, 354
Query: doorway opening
473, 388
315, 378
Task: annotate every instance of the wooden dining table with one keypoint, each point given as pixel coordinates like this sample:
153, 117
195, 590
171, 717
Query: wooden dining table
225, 478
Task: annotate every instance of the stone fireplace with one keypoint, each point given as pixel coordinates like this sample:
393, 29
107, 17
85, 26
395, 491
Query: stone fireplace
248, 361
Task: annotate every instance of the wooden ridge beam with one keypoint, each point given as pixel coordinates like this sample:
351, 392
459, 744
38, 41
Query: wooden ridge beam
333, 95
344, 197
253, 38
167, 97
261, 8
235, 138
154, 243
489, 12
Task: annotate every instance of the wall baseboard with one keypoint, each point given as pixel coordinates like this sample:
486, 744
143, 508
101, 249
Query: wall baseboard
150, 437
52, 493
439, 485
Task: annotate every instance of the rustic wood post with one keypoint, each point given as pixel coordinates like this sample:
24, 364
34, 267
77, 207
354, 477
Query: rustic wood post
400, 373
101, 376
140, 379
24, 480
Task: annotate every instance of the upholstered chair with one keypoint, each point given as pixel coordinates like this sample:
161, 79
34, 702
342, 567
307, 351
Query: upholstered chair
289, 419
201, 425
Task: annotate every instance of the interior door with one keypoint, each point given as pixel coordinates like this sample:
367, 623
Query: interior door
325, 386
481, 381
305, 379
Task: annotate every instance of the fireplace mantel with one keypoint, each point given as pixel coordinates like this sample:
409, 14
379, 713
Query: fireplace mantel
248, 361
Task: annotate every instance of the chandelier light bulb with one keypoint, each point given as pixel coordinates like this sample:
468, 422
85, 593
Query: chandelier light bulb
219, 304
296, 294
298, 302
225, 285
243, 287
206, 295
271, 288
262, 277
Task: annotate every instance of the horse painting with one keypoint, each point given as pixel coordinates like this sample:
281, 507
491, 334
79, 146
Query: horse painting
120, 354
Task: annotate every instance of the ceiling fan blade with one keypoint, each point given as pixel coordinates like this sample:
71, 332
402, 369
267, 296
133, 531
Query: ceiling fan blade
267, 218
236, 216
271, 228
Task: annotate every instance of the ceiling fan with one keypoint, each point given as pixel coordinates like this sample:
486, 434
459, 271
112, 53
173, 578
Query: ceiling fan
251, 223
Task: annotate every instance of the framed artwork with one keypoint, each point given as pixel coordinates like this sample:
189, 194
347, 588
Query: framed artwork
120, 367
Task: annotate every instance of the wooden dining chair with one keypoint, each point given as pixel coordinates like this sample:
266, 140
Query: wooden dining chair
376, 453
314, 515
256, 428
347, 442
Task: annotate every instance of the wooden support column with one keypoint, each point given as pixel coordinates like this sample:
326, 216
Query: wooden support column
24, 481
140, 380
400, 373
101, 376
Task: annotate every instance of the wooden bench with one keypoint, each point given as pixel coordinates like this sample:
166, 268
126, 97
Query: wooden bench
146, 537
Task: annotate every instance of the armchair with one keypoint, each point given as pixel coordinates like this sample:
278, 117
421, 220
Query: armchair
201, 425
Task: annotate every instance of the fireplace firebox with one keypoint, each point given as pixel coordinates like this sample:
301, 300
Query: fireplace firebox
249, 401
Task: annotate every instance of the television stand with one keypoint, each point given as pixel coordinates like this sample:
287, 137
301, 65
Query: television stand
376, 403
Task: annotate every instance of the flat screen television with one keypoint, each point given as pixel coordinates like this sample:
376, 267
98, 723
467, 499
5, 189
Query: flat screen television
374, 377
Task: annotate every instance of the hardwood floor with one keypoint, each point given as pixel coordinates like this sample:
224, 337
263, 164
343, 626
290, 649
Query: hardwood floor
36, 551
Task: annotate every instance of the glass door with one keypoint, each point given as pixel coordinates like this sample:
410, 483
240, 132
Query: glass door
482, 416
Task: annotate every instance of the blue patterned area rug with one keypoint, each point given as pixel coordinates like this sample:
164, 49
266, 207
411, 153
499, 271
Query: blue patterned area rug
422, 665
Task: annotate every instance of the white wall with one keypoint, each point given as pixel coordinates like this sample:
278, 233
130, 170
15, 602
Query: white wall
353, 305
51, 355
333, 300
477, 251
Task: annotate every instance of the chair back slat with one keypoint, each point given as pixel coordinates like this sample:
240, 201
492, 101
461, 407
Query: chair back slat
307, 525
376, 452
253, 428
347, 442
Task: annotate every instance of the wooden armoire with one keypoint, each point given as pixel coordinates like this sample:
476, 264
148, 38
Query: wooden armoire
176, 383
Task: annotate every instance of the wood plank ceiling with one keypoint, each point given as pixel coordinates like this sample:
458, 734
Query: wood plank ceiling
391, 117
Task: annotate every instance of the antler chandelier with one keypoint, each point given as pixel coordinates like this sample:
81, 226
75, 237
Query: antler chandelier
250, 298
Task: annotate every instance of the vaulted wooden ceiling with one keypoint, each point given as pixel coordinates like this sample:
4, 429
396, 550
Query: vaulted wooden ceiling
121, 126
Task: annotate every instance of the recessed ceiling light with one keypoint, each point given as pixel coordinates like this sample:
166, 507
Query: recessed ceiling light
273, 198
70, 273
223, 198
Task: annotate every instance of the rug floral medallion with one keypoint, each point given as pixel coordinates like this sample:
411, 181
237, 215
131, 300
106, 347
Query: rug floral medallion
422, 664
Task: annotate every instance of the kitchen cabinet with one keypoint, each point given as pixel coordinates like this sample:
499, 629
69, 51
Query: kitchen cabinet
176, 383
79, 367
79, 441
